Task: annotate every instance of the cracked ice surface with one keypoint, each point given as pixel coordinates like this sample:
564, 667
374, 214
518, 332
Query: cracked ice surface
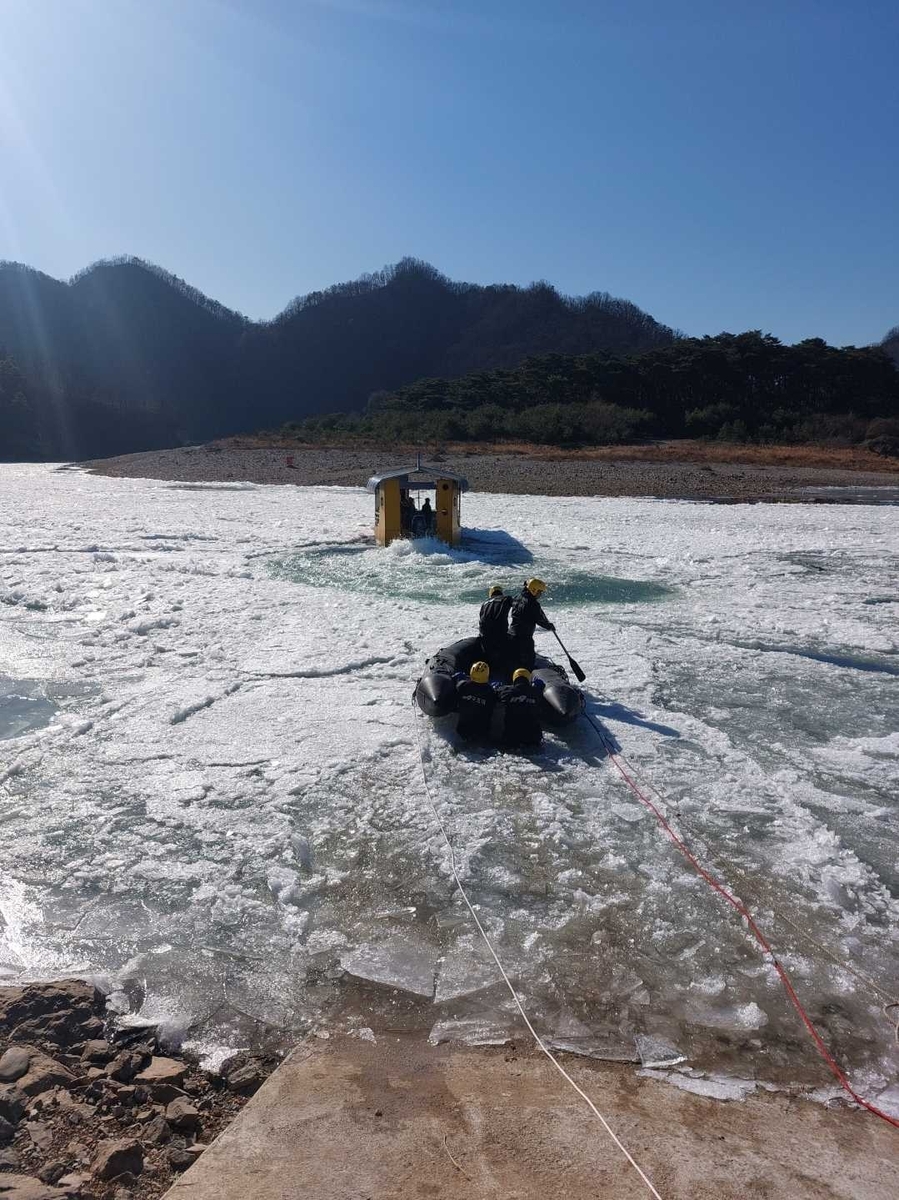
210, 796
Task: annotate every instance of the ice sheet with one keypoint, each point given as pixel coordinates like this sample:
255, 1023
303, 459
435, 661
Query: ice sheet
215, 807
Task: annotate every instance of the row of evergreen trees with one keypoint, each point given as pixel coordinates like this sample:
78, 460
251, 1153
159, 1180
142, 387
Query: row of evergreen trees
740, 387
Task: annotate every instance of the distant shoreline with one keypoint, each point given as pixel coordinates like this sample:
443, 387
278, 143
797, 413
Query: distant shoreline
672, 471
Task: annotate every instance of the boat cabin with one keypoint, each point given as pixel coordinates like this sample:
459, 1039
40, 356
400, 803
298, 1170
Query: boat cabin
419, 501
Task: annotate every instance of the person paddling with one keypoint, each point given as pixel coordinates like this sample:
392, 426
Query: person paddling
493, 626
520, 703
475, 700
525, 614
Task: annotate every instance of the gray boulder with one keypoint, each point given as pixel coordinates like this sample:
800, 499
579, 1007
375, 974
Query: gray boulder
13, 1064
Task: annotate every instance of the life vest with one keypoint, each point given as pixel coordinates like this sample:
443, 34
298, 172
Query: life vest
493, 624
475, 702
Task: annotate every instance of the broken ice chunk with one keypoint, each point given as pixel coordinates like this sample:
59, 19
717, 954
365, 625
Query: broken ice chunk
888, 1100
736, 1016
569, 1026
608, 1048
404, 962
627, 985
574, 1037
118, 1003
656, 1052
632, 813
464, 971
715, 1087
284, 885
323, 940
472, 1031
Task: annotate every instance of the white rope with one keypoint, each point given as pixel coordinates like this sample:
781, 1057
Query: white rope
524, 1016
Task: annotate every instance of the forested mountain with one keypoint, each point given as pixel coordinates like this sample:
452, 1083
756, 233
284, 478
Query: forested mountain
18, 417
123, 357
891, 344
126, 356
741, 387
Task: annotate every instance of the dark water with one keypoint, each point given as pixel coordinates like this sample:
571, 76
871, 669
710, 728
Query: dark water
23, 707
433, 573
580, 587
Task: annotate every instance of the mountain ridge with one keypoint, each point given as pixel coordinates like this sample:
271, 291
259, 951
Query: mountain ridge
126, 342
127, 356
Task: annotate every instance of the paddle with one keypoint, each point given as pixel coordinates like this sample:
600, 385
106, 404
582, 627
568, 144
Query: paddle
578, 673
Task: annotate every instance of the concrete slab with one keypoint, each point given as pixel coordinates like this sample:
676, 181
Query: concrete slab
348, 1120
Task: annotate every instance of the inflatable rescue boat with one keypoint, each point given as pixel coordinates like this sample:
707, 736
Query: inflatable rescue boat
561, 702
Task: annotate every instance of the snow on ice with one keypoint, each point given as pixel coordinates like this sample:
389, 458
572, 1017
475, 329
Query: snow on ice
210, 797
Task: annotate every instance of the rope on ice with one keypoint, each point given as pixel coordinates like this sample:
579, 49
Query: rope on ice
747, 916
518, 1004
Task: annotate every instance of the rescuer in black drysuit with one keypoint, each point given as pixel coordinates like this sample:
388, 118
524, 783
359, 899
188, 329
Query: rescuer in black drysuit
520, 704
408, 512
475, 700
525, 615
493, 628
428, 513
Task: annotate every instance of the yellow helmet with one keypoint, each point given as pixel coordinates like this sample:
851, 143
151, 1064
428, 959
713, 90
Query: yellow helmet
479, 673
521, 673
496, 590
536, 587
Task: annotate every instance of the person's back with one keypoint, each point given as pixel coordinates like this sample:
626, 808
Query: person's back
520, 702
525, 614
428, 513
493, 625
475, 701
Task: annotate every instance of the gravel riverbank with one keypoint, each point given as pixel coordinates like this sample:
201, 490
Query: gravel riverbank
517, 474
94, 1109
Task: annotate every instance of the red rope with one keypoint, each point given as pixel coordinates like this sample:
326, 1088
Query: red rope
757, 934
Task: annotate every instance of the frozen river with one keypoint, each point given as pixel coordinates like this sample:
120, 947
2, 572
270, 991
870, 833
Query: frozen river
211, 799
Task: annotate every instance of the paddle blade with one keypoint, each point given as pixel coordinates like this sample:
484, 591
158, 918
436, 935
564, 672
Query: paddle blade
578, 673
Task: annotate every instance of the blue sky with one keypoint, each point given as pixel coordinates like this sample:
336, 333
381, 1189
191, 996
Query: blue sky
723, 164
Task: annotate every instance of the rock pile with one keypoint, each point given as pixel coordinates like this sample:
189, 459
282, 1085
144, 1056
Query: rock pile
90, 1111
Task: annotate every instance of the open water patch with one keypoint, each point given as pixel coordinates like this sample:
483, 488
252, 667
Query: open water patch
212, 487
23, 707
852, 494
575, 588
429, 571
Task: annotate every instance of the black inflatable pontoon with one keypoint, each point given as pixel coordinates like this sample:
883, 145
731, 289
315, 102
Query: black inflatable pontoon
435, 692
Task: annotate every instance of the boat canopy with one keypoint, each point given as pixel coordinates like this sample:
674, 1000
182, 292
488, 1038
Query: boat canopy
401, 474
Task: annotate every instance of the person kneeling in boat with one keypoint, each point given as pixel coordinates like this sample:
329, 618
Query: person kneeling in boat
520, 703
525, 615
475, 700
